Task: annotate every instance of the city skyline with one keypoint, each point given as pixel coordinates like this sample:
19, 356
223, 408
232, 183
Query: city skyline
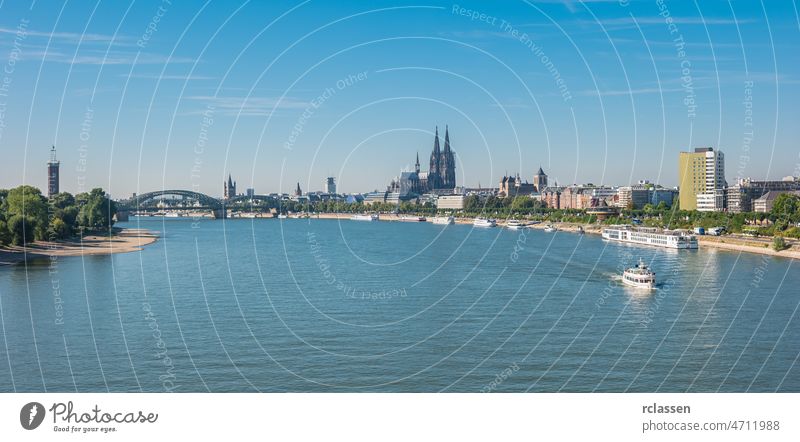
183, 103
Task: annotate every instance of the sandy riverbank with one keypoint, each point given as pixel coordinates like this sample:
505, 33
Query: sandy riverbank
736, 244
120, 241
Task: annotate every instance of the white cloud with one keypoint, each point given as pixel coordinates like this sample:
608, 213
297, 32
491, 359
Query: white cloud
100, 57
249, 106
179, 77
73, 37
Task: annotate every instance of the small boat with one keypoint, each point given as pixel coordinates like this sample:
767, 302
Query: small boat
550, 229
407, 218
447, 220
580, 230
515, 225
640, 276
283, 216
484, 222
365, 217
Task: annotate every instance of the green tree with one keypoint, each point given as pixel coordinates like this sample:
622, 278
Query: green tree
471, 203
786, 206
28, 202
5, 236
59, 229
62, 200
779, 244
96, 210
21, 229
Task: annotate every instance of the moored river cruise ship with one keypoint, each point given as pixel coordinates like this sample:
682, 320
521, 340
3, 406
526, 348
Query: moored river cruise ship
650, 237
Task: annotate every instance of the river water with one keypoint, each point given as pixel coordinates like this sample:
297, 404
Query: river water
325, 305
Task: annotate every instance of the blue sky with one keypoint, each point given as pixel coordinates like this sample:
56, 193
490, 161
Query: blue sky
279, 92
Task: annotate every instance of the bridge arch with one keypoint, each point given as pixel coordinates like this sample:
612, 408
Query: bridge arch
139, 200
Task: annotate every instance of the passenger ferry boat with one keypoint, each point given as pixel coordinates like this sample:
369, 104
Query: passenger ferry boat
515, 225
412, 219
447, 220
550, 229
365, 217
650, 237
640, 276
484, 222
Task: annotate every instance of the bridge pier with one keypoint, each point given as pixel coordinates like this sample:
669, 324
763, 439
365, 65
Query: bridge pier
121, 216
220, 213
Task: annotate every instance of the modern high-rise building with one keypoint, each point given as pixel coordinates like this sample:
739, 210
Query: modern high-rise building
701, 177
330, 186
52, 173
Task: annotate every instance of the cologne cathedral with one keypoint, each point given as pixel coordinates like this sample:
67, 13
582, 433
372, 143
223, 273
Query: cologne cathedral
442, 172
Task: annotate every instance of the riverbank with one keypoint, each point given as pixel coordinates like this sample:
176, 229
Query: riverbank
730, 243
119, 241
735, 244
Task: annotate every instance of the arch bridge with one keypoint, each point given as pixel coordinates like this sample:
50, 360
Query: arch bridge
146, 201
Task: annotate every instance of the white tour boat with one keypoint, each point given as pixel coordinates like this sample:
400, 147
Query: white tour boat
515, 225
650, 237
484, 222
447, 220
550, 229
413, 219
365, 217
640, 276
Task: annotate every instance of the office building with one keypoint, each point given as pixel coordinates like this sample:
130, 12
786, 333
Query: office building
701, 172
450, 202
633, 197
740, 197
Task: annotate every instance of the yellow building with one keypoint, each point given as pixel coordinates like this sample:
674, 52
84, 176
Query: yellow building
701, 172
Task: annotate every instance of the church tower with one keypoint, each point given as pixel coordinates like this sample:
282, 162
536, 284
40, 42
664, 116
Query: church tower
416, 166
434, 177
447, 165
229, 189
540, 180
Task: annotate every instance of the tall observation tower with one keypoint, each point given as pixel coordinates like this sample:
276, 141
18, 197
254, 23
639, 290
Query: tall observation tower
52, 173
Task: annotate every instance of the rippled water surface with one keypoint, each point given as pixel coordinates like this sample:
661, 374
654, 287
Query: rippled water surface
324, 305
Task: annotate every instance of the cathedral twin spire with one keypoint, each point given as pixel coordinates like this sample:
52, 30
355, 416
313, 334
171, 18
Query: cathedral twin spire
442, 173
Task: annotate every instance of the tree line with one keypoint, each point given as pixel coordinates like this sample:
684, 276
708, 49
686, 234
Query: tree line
27, 216
782, 220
